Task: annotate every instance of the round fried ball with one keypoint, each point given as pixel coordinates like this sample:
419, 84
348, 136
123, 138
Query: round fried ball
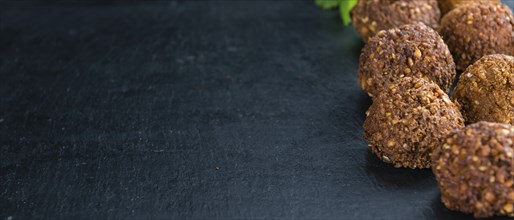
475, 169
448, 5
410, 50
475, 30
485, 91
408, 120
372, 16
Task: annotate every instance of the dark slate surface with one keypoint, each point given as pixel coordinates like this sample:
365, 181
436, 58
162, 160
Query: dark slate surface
197, 109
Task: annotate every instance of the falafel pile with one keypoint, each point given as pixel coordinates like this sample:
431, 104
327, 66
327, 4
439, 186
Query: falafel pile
408, 64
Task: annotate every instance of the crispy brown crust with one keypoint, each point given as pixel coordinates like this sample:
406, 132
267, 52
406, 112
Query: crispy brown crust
485, 91
448, 5
475, 169
371, 16
408, 120
410, 50
475, 30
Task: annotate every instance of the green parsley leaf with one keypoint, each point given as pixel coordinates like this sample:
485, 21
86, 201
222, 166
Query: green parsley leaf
327, 4
345, 7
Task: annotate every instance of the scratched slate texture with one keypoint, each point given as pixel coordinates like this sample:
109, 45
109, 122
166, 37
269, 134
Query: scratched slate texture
190, 110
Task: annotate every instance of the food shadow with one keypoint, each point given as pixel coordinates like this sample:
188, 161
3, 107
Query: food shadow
389, 177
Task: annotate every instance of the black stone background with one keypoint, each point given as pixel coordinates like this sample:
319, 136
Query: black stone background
190, 109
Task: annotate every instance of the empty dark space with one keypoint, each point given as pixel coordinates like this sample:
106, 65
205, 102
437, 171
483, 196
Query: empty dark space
190, 109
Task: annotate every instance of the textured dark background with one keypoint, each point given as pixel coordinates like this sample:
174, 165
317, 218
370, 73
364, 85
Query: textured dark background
190, 109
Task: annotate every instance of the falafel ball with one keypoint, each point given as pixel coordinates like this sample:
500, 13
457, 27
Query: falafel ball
370, 17
448, 5
408, 120
475, 30
475, 169
410, 50
485, 91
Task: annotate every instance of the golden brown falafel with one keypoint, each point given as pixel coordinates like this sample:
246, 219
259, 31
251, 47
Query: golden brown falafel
409, 50
371, 16
408, 120
475, 30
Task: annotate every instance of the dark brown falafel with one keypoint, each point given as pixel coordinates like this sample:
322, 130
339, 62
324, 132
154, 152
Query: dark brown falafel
409, 50
485, 91
371, 16
475, 169
408, 120
448, 5
475, 30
